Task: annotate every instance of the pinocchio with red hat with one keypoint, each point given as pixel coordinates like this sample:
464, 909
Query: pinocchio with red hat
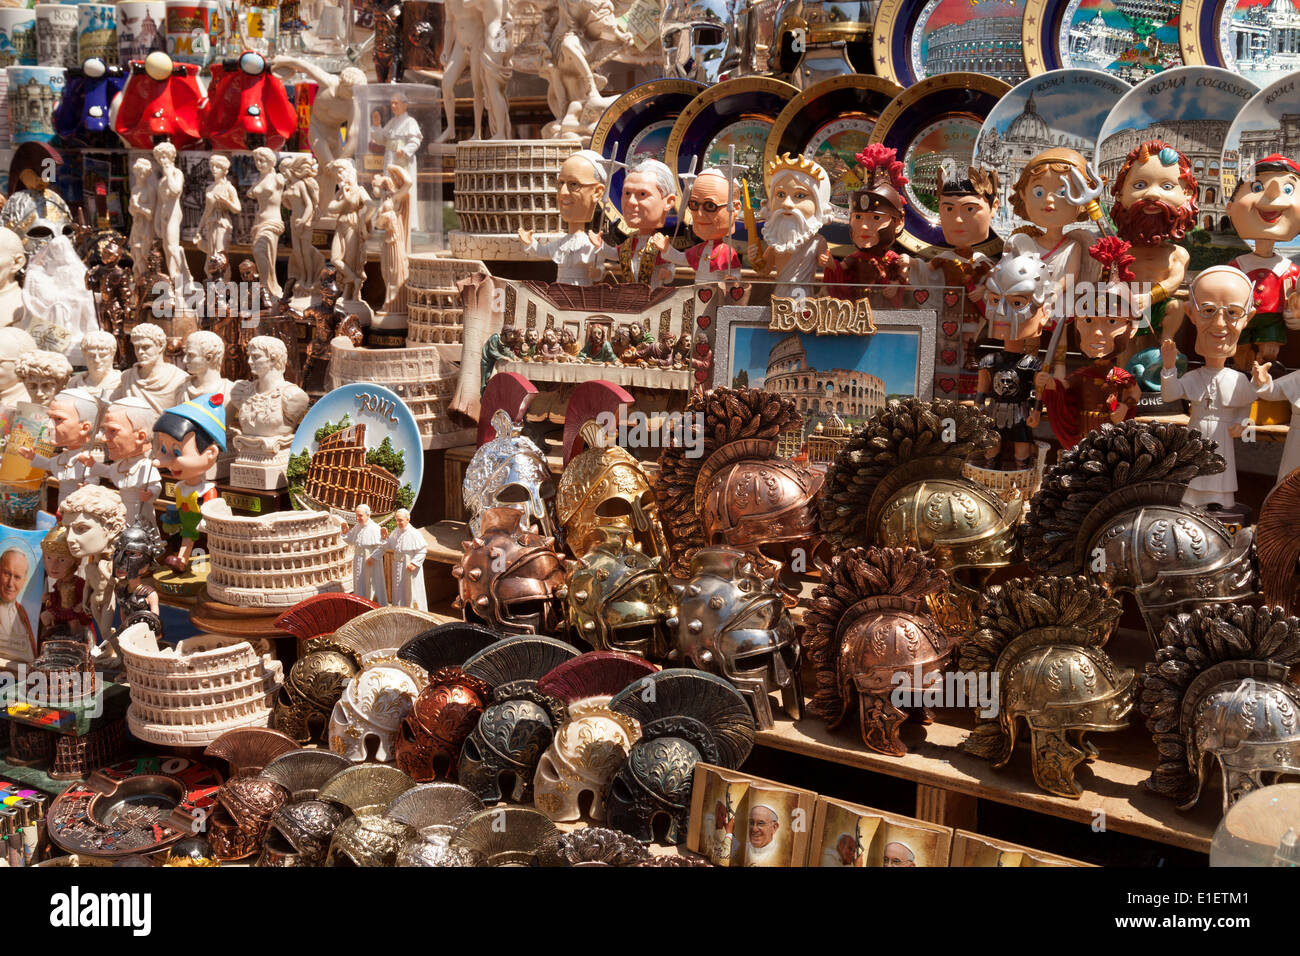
187, 440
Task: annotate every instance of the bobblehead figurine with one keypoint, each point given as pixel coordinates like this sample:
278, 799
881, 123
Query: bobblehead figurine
1265, 210
649, 195
714, 206
875, 220
188, 438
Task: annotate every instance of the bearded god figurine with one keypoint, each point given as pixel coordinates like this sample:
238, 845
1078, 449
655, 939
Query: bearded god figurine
1265, 210
875, 220
649, 194
577, 254
1155, 204
1221, 306
797, 206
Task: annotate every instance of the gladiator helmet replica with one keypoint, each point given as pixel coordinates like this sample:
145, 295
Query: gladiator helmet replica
1043, 639
239, 821
1220, 688
364, 722
898, 483
444, 715
299, 834
1111, 507
738, 493
1277, 541
605, 487
869, 625
509, 471
520, 722
435, 811
686, 716
593, 741
619, 598
368, 841
733, 622
510, 579
697, 39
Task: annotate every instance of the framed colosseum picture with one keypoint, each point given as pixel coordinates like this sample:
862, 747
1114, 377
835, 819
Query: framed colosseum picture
836, 378
359, 445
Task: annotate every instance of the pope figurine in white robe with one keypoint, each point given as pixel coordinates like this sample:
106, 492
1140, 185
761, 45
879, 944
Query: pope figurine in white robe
409, 549
401, 138
1222, 302
367, 540
1284, 389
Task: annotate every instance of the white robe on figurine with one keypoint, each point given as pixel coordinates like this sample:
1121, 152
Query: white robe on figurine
131, 483
368, 579
1287, 389
408, 547
67, 469
1220, 399
577, 261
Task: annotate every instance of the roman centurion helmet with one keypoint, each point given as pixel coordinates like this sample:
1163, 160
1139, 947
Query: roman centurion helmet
1277, 541
1111, 508
520, 722
509, 471
1042, 638
739, 493
686, 716
605, 487
444, 715
1220, 688
592, 742
365, 719
243, 811
510, 579
898, 483
870, 625
308, 695
619, 598
733, 622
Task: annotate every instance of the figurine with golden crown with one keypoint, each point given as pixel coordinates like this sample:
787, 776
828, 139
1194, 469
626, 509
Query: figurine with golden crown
798, 204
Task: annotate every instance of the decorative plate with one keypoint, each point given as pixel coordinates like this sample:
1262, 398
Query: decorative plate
1131, 39
936, 121
1257, 131
380, 431
135, 806
1058, 108
1260, 39
831, 123
738, 113
1193, 106
916, 39
636, 126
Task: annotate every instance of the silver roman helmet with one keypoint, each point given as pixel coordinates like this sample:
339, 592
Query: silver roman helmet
510, 471
1019, 275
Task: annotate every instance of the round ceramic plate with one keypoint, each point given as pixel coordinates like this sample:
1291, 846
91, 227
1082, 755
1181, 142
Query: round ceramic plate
636, 126
372, 414
133, 818
831, 123
1193, 106
1130, 39
738, 113
1260, 39
934, 124
1058, 108
1258, 131
917, 39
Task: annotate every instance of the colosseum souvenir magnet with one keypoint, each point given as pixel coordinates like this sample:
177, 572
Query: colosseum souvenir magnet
916, 39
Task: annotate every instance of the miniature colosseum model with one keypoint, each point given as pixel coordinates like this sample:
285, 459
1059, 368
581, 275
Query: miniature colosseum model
190, 694
424, 377
274, 560
503, 186
435, 313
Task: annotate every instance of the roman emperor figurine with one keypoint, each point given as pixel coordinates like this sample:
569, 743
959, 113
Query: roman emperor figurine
577, 254
100, 378
95, 517
798, 204
263, 416
152, 378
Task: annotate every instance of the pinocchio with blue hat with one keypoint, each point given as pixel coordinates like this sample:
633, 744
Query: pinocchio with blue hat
187, 440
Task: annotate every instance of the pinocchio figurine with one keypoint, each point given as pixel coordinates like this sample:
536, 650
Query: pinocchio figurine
188, 438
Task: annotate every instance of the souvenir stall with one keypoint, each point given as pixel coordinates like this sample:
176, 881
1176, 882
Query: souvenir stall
720, 433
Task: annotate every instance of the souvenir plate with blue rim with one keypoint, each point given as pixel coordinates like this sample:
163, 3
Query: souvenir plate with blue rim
916, 39
1260, 39
636, 126
830, 123
738, 113
391, 441
931, 125
1058, 108
1256, 132
1192, 106
1131, 39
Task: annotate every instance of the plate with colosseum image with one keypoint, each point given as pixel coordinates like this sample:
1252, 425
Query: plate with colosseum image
359, 445
1266, 126
1129, 39
1260, 39
1191, 107
1060, 108
916, 39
